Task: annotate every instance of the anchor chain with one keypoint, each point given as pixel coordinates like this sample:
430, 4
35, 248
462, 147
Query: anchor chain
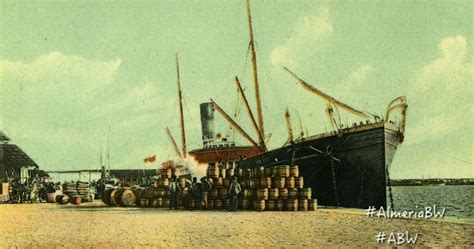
389, 184
362, 178
334, 183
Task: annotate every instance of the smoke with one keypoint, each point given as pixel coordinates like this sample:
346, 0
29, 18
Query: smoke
192, 166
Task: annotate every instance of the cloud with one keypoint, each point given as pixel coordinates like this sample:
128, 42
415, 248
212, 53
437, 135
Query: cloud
439, 134
49, 104
442, 93
307, 35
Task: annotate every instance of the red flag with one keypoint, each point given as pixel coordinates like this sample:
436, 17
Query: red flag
150, 160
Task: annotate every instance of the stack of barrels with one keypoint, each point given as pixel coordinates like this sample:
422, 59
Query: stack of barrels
220, 179
75, 193
275, 189
159, 195
122, 197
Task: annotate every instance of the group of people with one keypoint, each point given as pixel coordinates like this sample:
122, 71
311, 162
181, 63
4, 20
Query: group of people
200, 190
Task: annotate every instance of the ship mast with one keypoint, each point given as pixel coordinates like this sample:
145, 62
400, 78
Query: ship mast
183, 134
175, 146
255, 78
289, 126
234, 124
252, 118
327, 97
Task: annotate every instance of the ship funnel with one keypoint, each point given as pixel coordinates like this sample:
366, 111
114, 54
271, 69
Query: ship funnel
207, 122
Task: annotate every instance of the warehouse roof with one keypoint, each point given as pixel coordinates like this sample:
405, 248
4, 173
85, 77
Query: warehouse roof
11, 155
4, 137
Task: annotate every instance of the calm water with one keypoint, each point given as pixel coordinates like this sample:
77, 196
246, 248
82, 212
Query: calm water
458, 200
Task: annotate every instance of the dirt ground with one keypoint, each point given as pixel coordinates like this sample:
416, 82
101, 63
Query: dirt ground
96, 225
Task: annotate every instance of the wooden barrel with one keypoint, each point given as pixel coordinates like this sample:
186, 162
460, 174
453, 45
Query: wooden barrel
253, 173
303, 205
244, 183
294, 171
265, 182
223, 193
138, 195
227, 182
113, 201
279, 182
166, 173
283, 193
158, 202
163, 183
150, 193
218, 204
229, 173
291, 205
144, 203
259, 205
222, 172
262, 194
305, 193
166, 203
210, 204
275, 171
284, 171
238, 172
218, 182
292, 193
51, 197
125, 197
106, 195
268, 172
62, 199
290, 182
213, 194
213, 171
312, 204
273, 193
184, 193
246, 193
270, 205
190, 204
182, 182
279, 205
226, 203
253, 183
260, 172
76, 200
299, 182
244, 204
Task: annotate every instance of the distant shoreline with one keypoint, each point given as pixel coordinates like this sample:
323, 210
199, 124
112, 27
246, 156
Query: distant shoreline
432, 182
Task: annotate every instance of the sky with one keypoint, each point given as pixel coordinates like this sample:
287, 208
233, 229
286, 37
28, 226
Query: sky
81, 77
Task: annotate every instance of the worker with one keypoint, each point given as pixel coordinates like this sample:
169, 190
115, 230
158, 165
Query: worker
174, 191
196, 188
205, 188
234, 191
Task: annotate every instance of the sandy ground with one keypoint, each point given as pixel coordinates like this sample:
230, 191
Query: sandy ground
95, 225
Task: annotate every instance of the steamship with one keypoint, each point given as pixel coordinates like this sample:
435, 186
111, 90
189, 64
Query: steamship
347, 166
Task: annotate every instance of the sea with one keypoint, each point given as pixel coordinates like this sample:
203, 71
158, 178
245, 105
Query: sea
457, 199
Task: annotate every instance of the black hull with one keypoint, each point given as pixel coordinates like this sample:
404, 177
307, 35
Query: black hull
353, 172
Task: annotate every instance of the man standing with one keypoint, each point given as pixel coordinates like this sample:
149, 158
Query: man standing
205, 188
234, 191
174, 191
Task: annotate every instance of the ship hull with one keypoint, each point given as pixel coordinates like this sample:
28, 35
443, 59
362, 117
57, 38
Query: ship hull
347, 169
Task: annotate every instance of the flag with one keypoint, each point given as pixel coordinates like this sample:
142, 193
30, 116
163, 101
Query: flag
150, 160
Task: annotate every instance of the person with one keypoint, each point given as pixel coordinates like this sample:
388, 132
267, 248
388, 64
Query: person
174, 191
196, 190
205, 188
234, 191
